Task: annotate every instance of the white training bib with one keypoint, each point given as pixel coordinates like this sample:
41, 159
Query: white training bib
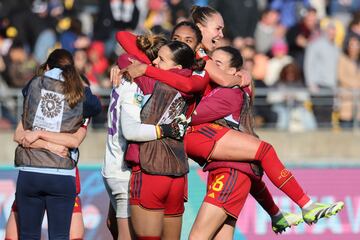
49, 112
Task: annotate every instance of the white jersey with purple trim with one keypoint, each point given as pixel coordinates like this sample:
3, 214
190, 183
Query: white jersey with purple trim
124, 124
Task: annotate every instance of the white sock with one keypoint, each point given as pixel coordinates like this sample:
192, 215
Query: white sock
307, 204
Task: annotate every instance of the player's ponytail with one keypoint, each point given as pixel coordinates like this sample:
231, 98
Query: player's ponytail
150, 44
73, 87
199, 15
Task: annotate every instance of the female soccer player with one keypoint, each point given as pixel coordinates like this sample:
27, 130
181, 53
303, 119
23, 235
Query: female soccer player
124, 124
157, 209
234, 145
227, 187
175, 56
189, 33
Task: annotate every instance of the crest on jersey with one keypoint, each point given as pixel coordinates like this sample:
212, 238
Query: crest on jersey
138, 98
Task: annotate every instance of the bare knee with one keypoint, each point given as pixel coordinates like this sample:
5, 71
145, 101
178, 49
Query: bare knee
196, 234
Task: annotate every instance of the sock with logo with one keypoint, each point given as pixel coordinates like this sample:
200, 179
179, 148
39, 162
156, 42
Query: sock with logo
281, 177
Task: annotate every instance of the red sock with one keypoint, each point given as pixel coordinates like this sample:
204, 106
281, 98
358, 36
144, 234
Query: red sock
279, 175
262, 195
148, 238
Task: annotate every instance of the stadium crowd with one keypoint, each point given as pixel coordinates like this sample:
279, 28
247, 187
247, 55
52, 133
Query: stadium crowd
303, 54
186, 103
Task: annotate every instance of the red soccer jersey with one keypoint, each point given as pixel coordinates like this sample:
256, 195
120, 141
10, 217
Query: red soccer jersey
196, 83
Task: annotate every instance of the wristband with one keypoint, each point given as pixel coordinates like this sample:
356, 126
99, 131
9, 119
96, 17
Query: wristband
158, 131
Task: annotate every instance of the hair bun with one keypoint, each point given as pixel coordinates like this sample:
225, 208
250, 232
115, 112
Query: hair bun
144, 42
193, 9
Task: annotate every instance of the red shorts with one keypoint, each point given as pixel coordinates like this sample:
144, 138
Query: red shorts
77, 181
227, 188
200, 140
76, 209
77, 205
156, 192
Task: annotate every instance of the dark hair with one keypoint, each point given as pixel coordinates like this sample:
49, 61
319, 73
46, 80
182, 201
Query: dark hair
290, 68
150, 44
201, 14
185, 56
236, 60
85, 80
73, 87
246, 121
190, 25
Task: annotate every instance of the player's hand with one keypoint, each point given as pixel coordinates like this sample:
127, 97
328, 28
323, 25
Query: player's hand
115, 76
135, 69
59, 150
245, 77
176, 129
29, 137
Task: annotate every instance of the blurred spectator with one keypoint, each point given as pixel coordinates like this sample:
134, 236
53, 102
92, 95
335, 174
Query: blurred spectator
261, 62
280, 58
7, 104
35, 27
291, 101
342, 9
114, 15
320, 7
339, 29
6, 40
248, 53
19, 66
73, 37
158, 15
265, 31
240, 16
240, 42
354, 28
201, 2
7, 107
81, 61
98, 65
349, 81
321, 59
179, 10
223, 42
320, 68
301, 34
291, 11
264, 115
142, 5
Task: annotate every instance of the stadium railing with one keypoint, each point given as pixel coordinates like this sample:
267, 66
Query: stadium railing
322, 98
